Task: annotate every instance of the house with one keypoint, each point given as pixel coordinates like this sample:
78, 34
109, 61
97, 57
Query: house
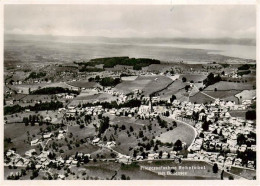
253, 148
242, 148
251, 164
111, 144
193, 156
164, 155
61, 177
35, 142
139, 157
124, 159
60, 136
229, 161
220, 159
173, 154
47, 136
30, 152
74, 162
238, 162
95, 141
153, 156
10, 152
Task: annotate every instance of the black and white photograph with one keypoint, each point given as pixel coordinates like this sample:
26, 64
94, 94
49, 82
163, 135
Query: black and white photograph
129, 92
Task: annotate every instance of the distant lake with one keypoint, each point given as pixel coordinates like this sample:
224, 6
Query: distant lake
40, 49
240, 51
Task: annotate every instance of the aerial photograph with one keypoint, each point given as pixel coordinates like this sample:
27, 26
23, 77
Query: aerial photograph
129, 92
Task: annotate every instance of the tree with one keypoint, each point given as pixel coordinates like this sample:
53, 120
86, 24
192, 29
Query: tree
172, 98
222, 175
215, 168
241, 139
187, 87
211, 79
205, 126
123, 177
184, 79
104, 124
141, 134
177, 145
251, 115
123, 127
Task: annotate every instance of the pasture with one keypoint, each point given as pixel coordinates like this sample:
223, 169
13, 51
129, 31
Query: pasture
194, 77
101, 97
200, 98
246, 95
176, 88
82, 84
19, 135
24, 88
182, 132
148, 84
225, 85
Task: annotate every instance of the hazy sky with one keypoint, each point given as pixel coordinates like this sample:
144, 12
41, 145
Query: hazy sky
203, 21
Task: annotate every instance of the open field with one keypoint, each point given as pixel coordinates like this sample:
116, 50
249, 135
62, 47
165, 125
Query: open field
82, 84
182, 132
18, 134
222, 93
194, 77
101, 97
148, 84
24, 88
246, 173
200, 98
246, 95
225, 85
128, 78
238, 113
18, 118
176, 88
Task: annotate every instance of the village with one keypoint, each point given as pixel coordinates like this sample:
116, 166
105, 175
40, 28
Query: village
216, 137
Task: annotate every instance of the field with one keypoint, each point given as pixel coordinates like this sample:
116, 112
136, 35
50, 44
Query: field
176, 88
222, 93
128, 78
225, 85
246, 94
248, 174
82, 84
90, 98
226, 95
25, 87
18, 118
122, 139
18, 134
148, 84
238, 113
182, 132
194, 77
200, 98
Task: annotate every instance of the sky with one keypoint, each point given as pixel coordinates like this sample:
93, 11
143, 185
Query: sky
189, 21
